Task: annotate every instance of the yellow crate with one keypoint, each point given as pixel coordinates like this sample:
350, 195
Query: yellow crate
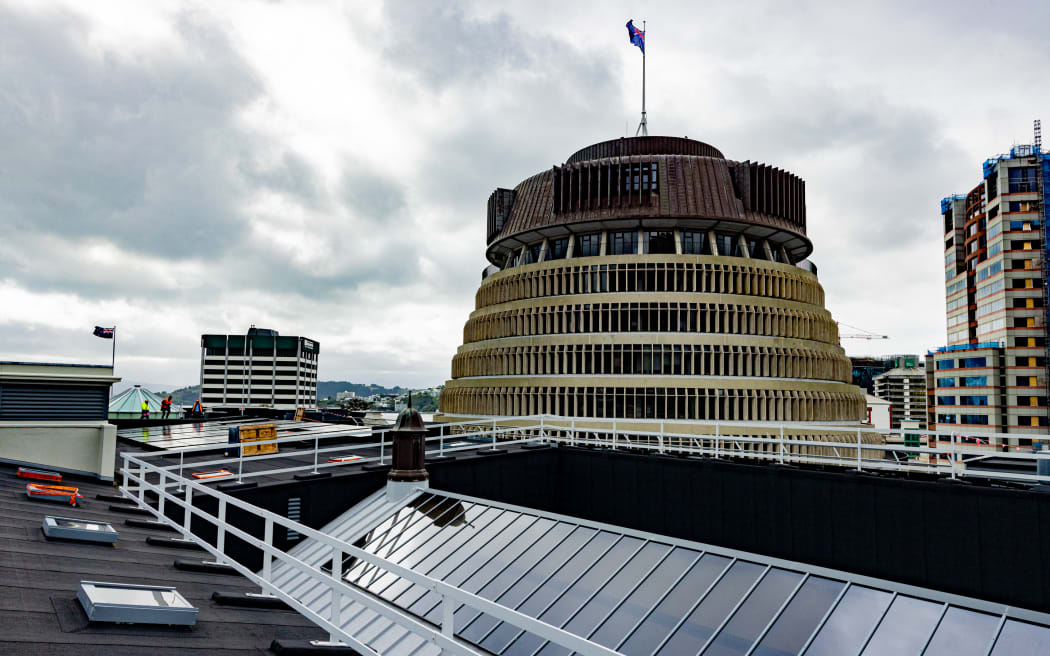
258, 433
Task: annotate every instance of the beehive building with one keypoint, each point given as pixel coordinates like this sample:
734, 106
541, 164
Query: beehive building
652, 278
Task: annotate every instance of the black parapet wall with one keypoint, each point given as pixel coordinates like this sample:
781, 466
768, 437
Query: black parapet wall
981, 542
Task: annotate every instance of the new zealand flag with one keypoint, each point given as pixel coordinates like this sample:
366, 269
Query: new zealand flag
636, 36
104, 333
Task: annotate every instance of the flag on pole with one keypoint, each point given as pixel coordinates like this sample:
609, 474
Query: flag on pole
104, 333
636, 36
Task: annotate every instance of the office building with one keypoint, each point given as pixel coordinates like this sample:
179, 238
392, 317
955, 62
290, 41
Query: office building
904, 387
259, 368
652, 278
992, 375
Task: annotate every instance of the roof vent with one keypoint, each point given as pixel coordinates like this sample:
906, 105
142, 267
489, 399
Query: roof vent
135, 604
67, 528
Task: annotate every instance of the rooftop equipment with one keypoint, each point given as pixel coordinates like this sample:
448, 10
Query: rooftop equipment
57, 493
39, 474
135, 604
219, 473
68, 528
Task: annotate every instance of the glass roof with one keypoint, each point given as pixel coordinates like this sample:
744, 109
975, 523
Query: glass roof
638, 593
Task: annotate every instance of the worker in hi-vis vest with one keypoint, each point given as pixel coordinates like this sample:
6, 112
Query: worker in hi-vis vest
145, 409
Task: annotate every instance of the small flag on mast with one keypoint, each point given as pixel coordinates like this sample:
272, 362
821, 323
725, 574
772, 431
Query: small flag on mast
104, 333
636, 36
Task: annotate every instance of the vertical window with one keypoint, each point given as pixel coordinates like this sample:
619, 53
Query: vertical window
661, 243
623, 243
557, 248
728, 245
588, 245
693, 243
532, 254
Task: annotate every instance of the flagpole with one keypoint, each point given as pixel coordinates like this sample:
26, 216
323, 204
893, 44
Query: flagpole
643, 128
113, 356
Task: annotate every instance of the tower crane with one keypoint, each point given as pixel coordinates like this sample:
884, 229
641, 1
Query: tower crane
864, 334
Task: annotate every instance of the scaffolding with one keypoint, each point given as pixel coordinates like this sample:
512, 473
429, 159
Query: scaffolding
1043, 188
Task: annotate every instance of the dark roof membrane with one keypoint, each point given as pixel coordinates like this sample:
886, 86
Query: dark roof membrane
625, 146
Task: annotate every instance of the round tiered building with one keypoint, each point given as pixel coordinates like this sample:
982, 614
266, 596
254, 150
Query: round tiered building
652, 278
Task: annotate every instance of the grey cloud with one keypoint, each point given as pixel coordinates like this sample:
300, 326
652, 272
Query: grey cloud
372, 197
440, 44
285, 172
138, 149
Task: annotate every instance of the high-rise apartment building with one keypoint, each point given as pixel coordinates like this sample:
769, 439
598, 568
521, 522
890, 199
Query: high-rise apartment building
652, 278
992, 376
259, 368
904, 387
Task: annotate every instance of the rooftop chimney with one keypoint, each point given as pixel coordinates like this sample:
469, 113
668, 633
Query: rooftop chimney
408, 437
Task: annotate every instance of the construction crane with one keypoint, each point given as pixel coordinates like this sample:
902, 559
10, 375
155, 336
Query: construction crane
864, 334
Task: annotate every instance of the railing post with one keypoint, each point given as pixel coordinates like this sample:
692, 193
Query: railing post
187, 515
614, 435
661, 439
127, 481
240, 463
336, 610
182, 456
267, 556
572, 431
543, 429
951, 459
781, 444
382, 445
493, 433
316, 437
163, 491
717, 439
447, 616
441, 440
859, 465
142, 482
220, 538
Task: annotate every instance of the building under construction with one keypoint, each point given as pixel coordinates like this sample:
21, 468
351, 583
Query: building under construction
992, 375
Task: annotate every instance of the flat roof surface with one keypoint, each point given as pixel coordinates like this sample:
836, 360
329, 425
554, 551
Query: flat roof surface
39, 578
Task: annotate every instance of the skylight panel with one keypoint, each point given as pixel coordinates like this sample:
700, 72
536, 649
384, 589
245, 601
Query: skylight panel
67, 528
135, 604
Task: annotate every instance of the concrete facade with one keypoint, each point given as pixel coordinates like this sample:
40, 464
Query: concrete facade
651, 278
259, 368
904, 387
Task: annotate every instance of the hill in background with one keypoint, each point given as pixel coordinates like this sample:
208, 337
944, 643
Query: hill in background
325, 389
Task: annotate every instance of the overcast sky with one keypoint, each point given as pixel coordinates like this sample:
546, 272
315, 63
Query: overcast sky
178, 168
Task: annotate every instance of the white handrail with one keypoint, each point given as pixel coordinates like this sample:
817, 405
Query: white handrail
448, 593
755, 440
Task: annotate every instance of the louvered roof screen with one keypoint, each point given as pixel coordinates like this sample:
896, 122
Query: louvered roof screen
638, 593
45, 401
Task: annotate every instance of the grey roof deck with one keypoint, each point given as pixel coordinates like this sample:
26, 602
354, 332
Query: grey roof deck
39, 613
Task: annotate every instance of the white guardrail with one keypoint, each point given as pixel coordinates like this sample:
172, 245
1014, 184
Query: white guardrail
945, 453
784, 443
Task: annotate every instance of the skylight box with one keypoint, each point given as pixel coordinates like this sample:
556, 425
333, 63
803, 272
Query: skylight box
68, 528
135, 604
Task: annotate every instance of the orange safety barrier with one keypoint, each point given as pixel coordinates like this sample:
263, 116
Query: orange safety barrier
344, 459
53, 493
222, 473
39, 474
